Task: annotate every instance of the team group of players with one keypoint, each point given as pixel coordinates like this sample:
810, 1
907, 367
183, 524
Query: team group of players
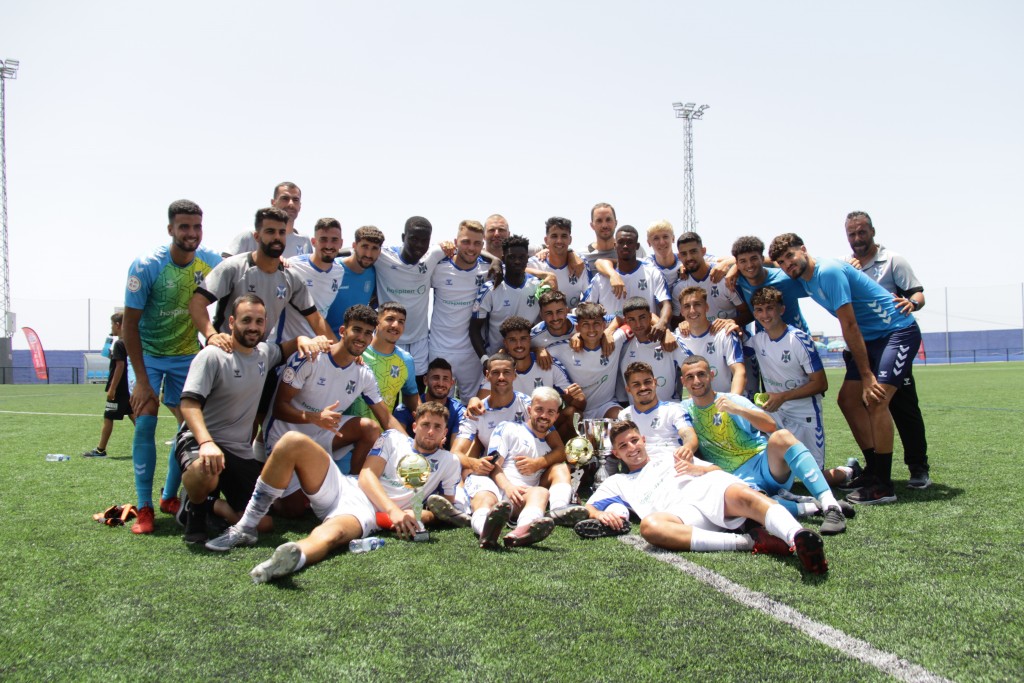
322, 370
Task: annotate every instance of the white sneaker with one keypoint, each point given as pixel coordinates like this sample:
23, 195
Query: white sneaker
283, 562
232, 538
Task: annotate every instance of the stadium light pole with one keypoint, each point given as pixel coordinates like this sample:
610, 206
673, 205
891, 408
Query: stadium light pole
689, 112
8, 72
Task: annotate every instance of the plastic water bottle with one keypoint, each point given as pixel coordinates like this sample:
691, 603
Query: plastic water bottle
107, 343
365, 545
57, 457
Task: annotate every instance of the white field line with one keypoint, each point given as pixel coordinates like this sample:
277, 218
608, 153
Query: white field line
861, 650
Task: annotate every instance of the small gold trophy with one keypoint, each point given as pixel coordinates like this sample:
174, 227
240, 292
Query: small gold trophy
414, 470
578, 451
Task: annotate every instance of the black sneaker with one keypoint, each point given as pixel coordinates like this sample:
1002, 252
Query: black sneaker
194, 522
810, 548
875, 493
593, 528
857, 478
495, 522
919, 479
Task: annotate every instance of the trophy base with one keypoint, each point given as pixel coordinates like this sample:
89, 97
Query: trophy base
421, 536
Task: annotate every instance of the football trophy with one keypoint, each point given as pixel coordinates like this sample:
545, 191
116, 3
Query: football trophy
578, 451
597, 434
414, 470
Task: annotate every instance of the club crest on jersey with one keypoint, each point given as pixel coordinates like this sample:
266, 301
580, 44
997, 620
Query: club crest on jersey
538, 382
642, 285
711, 348
531, 300
134, 283
604, 360
334, 285
262, 368
422, 267
573, 279
658, 354
394, 370
718, 419
714, 292
519, 418
282, 291
350, 387
786, 357
480, 280
197, 278
655, 422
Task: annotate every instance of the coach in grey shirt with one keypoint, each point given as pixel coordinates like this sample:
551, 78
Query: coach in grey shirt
259, 272
894, 273
219, 403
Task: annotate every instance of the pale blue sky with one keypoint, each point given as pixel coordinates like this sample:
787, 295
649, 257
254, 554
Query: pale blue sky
456, 110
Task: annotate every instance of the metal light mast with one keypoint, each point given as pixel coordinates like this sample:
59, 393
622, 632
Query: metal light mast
689, 113
8, 71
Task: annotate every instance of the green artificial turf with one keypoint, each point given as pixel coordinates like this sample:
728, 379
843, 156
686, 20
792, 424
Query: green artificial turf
934, 579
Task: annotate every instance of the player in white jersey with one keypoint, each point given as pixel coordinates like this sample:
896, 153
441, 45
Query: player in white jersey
569, 270
259, 272
313, 394
591, 368
794, 378
321, 275
515, 333
661, 239
288, 198
496, 303
457, 282
722, 302
522, 455
403, 275
723, 350
662, 423
665, 362
556, 321
349, 508
640, 279
693, 506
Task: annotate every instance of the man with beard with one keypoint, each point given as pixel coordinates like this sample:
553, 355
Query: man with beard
314, 393
515, 295
456, 282
893, 272
439, 382
603, 222
721, 301
288, 198
161, 341
403, 276
511, 490
882, 343
349, 507
731, 432
321, 275
261, 273
556, 323
219, 403
640, 278
663, 423
359, 274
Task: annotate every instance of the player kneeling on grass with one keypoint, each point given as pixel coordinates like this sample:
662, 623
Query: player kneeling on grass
693, 505
348, 506
520, 454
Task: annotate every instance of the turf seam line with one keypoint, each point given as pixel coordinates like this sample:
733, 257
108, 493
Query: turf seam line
861, 650
28, 412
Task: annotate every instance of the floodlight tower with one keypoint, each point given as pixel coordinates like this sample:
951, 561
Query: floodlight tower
8, 71
689, 112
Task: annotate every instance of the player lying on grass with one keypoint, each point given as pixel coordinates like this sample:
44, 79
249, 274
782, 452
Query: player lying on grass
731, 432
693, 505
520, 455
348, 506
